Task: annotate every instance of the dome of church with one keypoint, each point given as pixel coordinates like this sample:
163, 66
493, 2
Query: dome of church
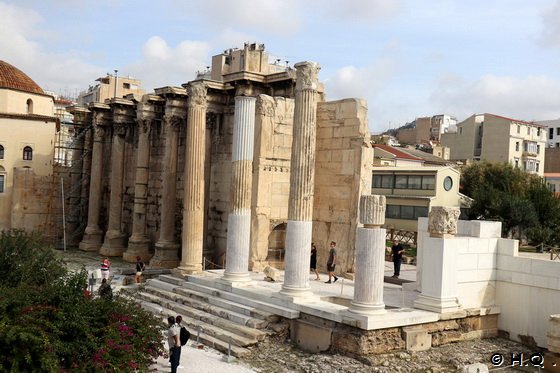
13, 78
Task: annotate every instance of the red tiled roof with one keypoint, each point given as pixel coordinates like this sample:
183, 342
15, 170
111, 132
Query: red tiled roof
516, 120
13, 78
398, 153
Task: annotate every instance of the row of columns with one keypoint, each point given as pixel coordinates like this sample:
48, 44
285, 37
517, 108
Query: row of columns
370, 240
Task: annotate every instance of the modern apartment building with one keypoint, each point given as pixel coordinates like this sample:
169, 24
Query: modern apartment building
412, 191
110, 86
494, 138
553, 140
427, 129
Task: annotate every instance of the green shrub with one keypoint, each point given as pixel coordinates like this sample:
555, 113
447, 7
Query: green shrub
48, 325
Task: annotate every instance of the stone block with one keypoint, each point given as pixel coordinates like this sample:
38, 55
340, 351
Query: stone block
311, 337
417, 339
486, 229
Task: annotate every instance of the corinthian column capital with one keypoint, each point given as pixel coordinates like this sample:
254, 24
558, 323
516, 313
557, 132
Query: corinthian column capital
197, 92
307, 74
173, 122
145, 125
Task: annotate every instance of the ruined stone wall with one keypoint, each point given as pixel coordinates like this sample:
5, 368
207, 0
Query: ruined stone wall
220, 185
342, 173
30, 199
271, 177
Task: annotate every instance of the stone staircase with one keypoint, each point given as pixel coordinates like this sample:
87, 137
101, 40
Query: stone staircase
215, 317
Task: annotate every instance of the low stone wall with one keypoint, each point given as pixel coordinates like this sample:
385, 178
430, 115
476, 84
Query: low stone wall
354, 341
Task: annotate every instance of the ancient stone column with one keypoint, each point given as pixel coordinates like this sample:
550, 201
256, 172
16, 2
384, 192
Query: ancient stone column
139, 242
302, 180
193, 201
370, 257
114, 242
167, 248
239, 218
442, 221
93, 236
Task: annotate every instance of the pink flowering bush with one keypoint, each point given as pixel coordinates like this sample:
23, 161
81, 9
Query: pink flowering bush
48, 325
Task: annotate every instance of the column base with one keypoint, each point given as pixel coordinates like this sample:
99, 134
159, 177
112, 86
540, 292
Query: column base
114, 244
93, 239
189, 269
439, 305
138, 245
166, 255
242, 277
367, 309
293, 293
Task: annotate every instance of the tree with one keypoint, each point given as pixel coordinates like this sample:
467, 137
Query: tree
519, 200
48, 325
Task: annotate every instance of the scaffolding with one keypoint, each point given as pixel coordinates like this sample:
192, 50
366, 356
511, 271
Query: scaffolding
65, 218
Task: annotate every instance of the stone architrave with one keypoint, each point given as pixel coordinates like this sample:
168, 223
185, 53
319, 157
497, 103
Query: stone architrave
114, 243
139, 242
442, 221
93, 235
239, 219
193, 201
302, 181
167, 248
370, 257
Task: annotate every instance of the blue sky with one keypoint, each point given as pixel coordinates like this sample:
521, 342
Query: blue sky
407, 58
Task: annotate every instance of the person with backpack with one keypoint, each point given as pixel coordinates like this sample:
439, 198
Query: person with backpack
184, 334
174, 344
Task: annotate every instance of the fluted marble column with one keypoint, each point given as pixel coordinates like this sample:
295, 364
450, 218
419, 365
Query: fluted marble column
239, 218
139, 242
167, 249
193, 201
93, 236
114, 242
370, 257
302, 181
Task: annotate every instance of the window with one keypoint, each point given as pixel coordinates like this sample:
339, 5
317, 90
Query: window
538, 149
518, 128
401, 182
517, 163
428, 183
405, 212
126, 85
557, 130
550, 133
528, 130
460, 130
517, 146
536, 166
29, 106
1, 152
383, 181
2, 180
27, 153
558, 144
539, 132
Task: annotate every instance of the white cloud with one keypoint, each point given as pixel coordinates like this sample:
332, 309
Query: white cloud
531, 98
353, 10
277, 17
163, 65
551, 26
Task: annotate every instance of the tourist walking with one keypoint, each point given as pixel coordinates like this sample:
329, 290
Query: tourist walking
174, 343
140, 267
105, 266
331, 263
397, 251
313, 265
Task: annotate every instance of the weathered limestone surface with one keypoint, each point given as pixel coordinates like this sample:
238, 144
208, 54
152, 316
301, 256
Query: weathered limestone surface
342, 174
167, 248
123, 117
271, 178
193, 198
442, 221
239, 221
370, 257
93, 235
302, 178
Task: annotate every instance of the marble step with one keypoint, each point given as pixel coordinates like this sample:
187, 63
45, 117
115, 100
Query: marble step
183, 295
209, 336
246, 298
208, 314
220, 302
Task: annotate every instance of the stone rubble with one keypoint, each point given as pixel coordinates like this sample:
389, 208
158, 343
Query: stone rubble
279, 355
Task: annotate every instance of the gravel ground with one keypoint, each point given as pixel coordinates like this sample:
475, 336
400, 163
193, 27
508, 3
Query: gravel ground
280, 356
